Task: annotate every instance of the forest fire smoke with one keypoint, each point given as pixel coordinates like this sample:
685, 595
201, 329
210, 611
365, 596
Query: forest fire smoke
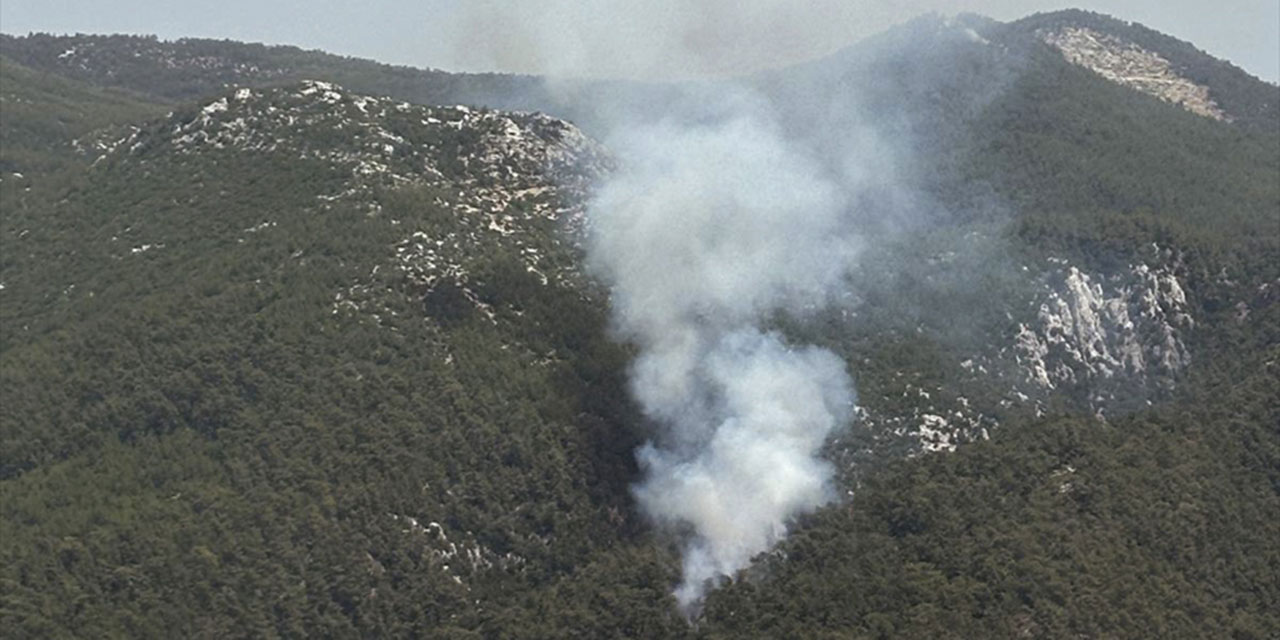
705, 232
718, 220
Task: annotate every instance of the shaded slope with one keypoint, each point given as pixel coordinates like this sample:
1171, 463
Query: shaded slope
41, 114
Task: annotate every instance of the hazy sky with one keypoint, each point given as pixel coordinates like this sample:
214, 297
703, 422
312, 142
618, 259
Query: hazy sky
676, 37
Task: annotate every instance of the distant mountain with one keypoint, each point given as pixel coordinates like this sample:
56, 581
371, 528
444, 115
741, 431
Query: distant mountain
295, 345
191, 69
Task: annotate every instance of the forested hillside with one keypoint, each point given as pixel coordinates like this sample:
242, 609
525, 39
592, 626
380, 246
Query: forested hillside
193, 68
281, 357
43, 113
1243, 98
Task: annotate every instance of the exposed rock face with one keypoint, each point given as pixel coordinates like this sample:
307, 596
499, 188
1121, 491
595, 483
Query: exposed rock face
510, 179
1092, 331
1106, 342
520, 181
382, 141
1126, 63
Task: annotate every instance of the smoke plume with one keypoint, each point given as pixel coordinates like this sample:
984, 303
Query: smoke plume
659, 39
721, 217
704, 232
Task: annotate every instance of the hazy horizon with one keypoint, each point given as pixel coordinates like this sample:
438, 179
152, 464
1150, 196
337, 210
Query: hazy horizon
728, 37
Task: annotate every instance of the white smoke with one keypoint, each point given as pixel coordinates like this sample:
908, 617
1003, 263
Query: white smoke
658, 39
704, 232
737, 479
720, 217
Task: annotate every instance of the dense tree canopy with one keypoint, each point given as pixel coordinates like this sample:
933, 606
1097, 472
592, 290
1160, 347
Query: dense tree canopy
199, 440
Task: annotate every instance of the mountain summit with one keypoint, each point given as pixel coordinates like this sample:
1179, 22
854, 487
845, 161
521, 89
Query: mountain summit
1151, 62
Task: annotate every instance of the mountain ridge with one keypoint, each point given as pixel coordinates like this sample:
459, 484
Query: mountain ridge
146, 61
1243, 96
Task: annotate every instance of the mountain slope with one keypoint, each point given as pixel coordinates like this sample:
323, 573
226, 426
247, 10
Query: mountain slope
321, 317
1056, 229
43, 113
299, 361
1153, 62
192, 68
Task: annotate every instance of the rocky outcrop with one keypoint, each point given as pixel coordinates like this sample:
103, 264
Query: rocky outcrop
1098, 328
1128, 64
513, 179
1114, 341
